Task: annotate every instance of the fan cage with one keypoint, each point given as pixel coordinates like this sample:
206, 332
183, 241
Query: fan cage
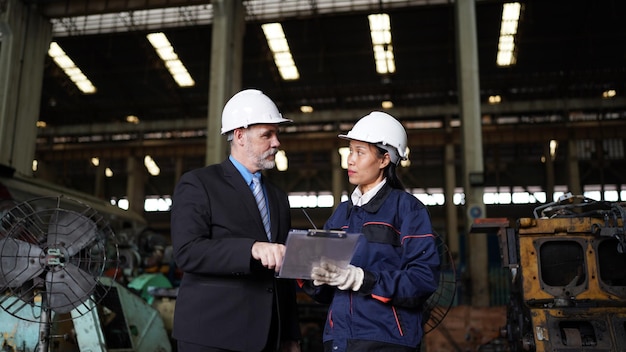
53, 251
439, 303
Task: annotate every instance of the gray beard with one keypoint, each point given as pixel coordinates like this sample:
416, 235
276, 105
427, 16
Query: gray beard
263, 164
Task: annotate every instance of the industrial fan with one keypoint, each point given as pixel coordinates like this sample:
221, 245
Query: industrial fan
53, 252
439, 303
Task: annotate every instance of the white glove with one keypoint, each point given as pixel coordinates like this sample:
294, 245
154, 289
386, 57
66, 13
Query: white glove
347, 278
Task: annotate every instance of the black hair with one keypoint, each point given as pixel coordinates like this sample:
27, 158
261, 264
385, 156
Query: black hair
390, 172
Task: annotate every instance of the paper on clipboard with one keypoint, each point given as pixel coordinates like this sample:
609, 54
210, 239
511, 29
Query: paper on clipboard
306, 248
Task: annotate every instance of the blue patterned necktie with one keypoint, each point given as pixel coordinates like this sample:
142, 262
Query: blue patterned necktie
257, 190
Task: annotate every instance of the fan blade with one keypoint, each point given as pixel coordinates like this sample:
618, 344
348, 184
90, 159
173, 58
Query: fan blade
19, 263
68, 288
72, 231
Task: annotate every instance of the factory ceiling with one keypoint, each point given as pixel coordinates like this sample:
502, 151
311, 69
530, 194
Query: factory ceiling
568, 53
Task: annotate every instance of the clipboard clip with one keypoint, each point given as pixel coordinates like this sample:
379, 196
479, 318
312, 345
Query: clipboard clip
326, 233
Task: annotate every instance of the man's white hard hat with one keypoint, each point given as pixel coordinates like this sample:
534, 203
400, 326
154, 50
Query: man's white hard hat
249, 107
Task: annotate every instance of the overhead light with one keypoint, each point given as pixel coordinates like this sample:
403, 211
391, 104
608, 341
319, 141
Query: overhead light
166, 52
407, 162
132, 119
108, 172
95, 161
553, 147
508, 30
344, 152
387, 104
609, 93
280, 49
71, 70
282, 163
380, 30
34, 165
495, 99
151, 165
42, 124
307, 109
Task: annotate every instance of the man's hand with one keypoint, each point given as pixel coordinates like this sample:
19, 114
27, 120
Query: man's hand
350, 278
270, 254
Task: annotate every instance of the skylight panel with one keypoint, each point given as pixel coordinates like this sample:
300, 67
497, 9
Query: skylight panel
508, 29
166, 52
283, 59
380, 31
71, 70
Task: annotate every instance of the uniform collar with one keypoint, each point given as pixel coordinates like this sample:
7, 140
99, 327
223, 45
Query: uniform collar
376, 202
361, 199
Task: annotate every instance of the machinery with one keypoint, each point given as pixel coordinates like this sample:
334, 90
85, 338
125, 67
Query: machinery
567, 268
61, 274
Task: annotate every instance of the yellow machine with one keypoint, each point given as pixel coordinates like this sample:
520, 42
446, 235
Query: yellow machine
568, 276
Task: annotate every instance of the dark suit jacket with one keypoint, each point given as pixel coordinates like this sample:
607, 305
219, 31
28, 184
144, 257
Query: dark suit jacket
226, 298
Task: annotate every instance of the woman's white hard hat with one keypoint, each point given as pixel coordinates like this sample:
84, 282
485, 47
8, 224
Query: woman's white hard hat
383, 130
249, 107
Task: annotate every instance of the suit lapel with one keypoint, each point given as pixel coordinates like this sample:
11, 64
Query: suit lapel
237, 182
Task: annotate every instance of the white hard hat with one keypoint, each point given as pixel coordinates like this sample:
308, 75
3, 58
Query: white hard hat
249, 107
383, 130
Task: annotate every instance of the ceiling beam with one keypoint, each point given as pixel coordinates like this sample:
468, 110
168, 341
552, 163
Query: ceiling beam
71, 8
543, 107
327, 141
258, 9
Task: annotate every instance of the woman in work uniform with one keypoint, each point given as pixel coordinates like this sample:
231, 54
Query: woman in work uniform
376, 302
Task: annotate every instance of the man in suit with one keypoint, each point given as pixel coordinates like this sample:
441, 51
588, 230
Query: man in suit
229, 298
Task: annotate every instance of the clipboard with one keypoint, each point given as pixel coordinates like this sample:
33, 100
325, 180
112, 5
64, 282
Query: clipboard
305, 249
